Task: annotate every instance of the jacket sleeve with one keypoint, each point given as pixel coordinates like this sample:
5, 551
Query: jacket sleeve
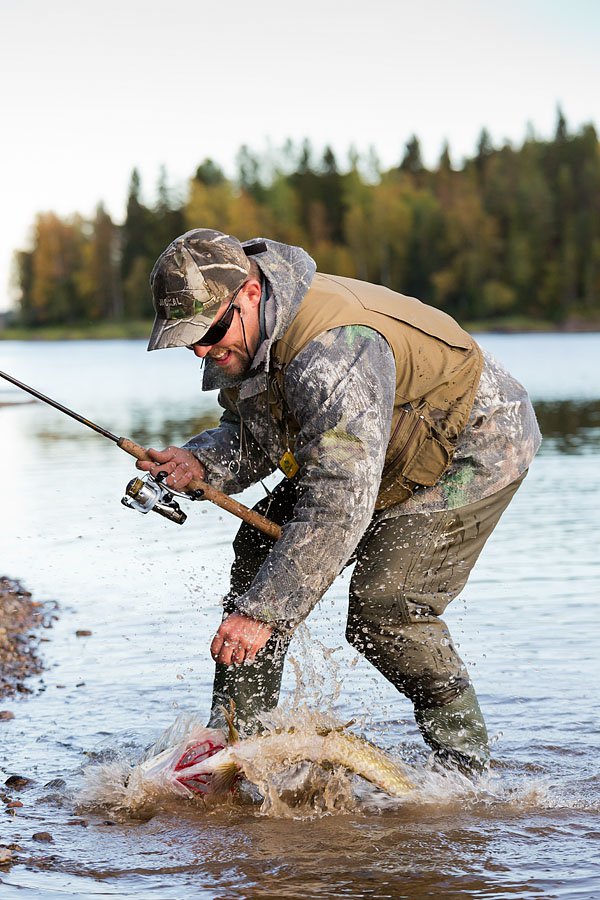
340, 389
232, 461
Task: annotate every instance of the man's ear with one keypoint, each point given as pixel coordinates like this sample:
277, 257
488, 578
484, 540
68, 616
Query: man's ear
253, 291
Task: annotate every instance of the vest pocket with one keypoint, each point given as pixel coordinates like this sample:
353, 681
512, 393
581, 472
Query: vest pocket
415, 456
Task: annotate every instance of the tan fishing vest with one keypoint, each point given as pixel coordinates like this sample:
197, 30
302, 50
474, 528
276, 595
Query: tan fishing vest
437, 373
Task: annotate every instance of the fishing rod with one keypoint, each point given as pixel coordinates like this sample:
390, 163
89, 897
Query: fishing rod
151, 493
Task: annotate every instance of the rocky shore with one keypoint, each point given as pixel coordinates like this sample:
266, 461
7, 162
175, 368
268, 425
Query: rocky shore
22, 621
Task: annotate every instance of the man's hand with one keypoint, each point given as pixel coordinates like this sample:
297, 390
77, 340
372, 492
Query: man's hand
239, 639
180, 465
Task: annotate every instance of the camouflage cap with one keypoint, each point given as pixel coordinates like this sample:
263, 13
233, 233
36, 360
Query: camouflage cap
189, 281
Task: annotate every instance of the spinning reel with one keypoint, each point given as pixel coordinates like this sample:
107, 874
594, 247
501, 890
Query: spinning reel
151, 494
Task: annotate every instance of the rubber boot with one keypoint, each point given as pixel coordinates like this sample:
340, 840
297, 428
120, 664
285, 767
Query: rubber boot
457, 733
254, 688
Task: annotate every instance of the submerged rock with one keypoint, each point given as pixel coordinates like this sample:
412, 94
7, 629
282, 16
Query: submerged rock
17, 782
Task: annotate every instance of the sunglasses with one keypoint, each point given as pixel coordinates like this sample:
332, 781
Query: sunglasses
218, 331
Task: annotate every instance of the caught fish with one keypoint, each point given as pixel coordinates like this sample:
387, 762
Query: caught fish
210, 761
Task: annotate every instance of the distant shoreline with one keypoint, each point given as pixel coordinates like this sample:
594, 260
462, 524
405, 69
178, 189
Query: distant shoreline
95, 331
140, 329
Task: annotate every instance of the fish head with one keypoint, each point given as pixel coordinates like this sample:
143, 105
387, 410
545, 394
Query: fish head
189, 770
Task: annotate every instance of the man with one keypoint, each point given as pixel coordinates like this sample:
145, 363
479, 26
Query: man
401, 444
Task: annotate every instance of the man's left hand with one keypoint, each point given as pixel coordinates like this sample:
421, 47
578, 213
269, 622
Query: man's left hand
239, 639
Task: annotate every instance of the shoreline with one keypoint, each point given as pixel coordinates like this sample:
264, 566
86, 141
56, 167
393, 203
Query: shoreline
96, 331
23, 620
141, 329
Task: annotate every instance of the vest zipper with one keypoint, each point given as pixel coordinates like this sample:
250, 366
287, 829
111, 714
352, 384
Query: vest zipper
409, 440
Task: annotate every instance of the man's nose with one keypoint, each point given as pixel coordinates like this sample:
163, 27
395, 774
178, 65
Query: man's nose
201, 352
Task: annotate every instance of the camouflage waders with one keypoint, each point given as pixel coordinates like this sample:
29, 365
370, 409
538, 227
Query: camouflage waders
408, 569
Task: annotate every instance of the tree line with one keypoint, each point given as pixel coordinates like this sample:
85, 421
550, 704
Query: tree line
512, 231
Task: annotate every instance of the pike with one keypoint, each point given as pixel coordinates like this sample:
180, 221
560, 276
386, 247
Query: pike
210, 762
151, 493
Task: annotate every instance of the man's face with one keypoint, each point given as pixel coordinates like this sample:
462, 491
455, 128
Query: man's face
230, 352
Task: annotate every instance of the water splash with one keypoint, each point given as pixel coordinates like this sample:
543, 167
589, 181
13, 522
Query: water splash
199, 762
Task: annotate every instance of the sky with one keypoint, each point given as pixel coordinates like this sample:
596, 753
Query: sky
90, 90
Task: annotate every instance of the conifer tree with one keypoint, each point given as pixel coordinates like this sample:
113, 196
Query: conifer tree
514, 230
97, 278
136, 252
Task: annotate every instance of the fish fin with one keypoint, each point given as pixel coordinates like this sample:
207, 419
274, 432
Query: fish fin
224, 776
324, 730
233, 734
346, 725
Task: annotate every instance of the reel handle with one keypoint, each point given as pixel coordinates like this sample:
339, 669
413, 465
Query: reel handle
271, 529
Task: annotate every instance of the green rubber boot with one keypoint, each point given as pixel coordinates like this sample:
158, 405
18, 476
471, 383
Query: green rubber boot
253, 688
457, 733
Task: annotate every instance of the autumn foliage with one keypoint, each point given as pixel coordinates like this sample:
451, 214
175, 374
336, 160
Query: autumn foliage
511, 232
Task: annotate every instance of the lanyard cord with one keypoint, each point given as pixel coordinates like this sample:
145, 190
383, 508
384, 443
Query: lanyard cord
243, 332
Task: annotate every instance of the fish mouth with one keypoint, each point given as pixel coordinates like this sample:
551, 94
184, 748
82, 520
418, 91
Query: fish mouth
198, 782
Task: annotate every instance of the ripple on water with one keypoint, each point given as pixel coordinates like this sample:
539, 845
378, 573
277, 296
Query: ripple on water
149, 593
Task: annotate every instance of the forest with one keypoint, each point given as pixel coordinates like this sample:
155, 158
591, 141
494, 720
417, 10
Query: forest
512, 232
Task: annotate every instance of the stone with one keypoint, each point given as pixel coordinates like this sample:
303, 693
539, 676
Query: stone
17, 782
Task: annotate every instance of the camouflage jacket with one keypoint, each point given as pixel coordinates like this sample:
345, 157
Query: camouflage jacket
340, 389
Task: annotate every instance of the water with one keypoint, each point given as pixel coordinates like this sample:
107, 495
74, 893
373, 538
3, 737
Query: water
149, 592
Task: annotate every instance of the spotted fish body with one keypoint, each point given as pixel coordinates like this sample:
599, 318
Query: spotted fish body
210, 765
337, 747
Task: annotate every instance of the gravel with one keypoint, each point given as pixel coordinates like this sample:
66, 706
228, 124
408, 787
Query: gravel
22, 621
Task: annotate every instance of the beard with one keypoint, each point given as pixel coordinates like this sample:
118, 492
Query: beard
217, 377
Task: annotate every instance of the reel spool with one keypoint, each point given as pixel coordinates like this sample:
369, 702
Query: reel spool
151, 495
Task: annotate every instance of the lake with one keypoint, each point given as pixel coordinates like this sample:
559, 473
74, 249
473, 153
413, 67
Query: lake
149, 592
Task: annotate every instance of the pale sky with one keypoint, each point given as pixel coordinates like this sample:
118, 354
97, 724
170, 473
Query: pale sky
88, 90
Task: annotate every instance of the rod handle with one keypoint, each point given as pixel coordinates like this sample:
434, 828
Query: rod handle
271, 529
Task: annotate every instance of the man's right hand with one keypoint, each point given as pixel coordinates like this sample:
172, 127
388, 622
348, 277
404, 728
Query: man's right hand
180, 465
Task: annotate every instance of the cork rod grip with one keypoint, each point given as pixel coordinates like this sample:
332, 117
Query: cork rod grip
217, 497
